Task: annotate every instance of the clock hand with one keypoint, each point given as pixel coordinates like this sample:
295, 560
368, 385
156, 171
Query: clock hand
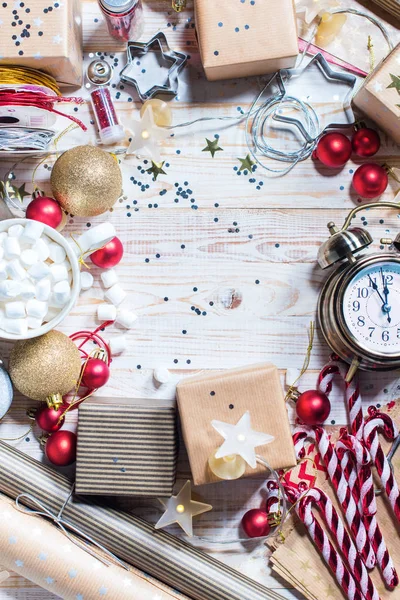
375, 287
385, 307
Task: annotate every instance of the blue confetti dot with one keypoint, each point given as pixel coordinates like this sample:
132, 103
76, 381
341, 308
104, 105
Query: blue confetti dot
277, 245
178, 151
351, 171
220, 24
216, 53
247, 26
237, 29
341, 188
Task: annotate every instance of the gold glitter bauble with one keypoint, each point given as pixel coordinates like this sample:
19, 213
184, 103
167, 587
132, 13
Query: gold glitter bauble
45, 366
86, 181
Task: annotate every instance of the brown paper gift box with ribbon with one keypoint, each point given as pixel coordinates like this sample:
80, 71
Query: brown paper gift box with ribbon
241, 39
126, 448
379, 96
44, 35
226, 397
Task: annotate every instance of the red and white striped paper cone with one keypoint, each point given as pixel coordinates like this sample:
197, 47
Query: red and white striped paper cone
354, 578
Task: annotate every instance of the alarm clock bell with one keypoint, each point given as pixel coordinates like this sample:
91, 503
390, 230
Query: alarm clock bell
342, 244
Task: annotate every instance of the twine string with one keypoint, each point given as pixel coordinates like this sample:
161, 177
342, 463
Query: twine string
292, 388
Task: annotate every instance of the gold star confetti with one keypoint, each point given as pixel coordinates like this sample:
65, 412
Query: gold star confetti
330, 591
156, 169
306, 565
212, 147
246, 163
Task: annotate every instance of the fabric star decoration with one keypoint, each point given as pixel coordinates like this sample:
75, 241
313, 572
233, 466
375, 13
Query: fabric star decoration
181, 509
146, 135
246, 163
156, 169
212, 147
241, 439
312, 8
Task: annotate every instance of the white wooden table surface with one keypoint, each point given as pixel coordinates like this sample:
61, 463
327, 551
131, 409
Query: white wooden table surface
244, 256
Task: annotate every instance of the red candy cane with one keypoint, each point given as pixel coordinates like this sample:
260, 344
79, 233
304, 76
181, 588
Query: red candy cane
378, 421
340, 485
360, 586
355, 460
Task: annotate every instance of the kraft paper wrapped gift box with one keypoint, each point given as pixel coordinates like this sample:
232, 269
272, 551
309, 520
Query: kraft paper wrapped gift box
226, 397
241, 39
126, 448
43, 35
379, 96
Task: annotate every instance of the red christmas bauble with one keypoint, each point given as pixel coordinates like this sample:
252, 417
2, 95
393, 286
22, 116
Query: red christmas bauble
370, 180
333, 150
255, 523
109, 256
96, 373
46, 210
61, 448
313, 407
365, 142
48, 418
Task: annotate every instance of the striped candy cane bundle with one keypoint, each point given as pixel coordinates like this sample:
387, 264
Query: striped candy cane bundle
381, 422
340, 485
354, 460
354, 579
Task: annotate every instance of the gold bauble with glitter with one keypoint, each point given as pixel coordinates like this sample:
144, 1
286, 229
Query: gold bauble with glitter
86, 181
45, 368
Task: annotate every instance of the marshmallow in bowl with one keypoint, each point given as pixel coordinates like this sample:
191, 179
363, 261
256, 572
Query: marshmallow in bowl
35, 278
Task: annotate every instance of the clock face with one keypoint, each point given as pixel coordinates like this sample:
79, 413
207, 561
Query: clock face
371, 307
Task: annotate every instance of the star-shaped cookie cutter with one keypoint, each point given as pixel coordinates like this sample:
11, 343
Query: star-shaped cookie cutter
158, 45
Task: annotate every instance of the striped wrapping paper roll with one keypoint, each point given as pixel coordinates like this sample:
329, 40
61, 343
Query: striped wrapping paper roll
392, 6
172, 561
126, 449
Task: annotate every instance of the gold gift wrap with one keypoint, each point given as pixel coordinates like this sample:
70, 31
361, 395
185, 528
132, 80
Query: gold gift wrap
241, 39
226, 397
126, 448
379, 96
45, 36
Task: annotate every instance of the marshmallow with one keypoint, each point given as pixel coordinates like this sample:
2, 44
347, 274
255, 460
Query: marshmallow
86, 280
161, 375
39, 271
3, 270
16, 326
3, 236
115, 294
27, 290
32, 232
34, 323
106, 312
66, 264
36, 308
109, 278
126, 318
57, 253
12, 249
117, 344
16, 230
15, 310
43, 290
10, 289
95, 238
62, 293
2, 315
42, 249
1, 253
29, 257
15, 270
58, 273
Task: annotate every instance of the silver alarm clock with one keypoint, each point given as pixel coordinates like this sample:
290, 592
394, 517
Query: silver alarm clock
359, 305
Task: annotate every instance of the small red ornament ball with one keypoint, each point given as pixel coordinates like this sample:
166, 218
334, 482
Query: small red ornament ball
365, 142
61, 448
255, 523
370, 180
48, 418
46, 210
96, 373
333, 150
313, 407
110, 255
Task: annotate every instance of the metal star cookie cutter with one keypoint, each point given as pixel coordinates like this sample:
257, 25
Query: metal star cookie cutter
144, 58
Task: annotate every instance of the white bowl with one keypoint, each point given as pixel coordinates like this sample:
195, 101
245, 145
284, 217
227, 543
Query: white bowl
75, 285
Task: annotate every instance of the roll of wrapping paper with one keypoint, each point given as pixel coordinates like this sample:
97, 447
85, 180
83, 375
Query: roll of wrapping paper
39, 551
163, 556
